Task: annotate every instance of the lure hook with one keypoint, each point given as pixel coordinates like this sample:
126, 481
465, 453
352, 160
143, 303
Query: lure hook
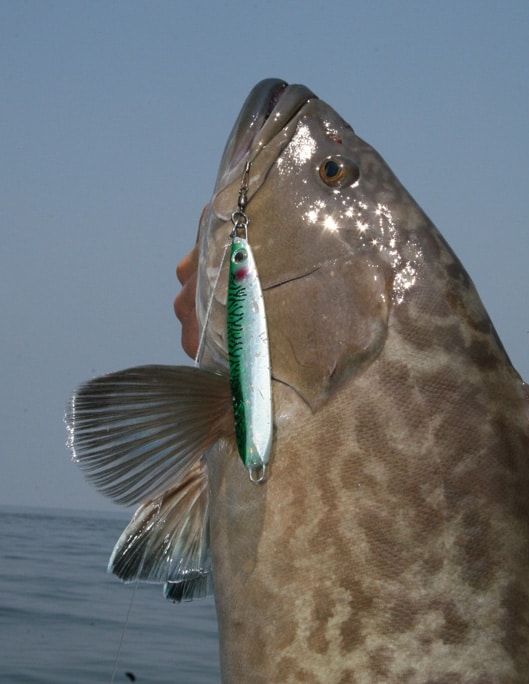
257, 475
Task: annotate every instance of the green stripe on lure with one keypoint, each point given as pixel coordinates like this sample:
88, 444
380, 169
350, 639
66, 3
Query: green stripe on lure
248, 352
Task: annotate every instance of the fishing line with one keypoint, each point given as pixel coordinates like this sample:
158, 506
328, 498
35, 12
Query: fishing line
123, 632
210, 304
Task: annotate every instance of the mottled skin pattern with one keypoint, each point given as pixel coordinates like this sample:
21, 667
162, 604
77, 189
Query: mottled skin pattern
390, 542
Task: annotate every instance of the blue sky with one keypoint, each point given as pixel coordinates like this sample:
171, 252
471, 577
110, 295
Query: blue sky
113, 119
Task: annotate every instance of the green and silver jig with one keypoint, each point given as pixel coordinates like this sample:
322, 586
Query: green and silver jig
249, 356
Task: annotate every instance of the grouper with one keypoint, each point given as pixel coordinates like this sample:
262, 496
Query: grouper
389, 541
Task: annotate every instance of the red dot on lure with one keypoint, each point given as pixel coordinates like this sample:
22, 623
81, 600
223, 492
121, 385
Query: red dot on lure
240, 274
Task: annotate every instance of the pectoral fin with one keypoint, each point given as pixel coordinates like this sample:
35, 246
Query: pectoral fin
167, 540
136, 432
139, 435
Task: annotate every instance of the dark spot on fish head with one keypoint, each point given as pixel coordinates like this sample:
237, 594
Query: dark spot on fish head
455, 271
130, 676
482, 354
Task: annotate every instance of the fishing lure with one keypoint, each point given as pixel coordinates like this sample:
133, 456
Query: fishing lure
248, 353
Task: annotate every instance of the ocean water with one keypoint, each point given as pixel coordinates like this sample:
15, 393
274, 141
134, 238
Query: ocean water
62, 615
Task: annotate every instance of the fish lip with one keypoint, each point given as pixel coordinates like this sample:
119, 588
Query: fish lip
259, 120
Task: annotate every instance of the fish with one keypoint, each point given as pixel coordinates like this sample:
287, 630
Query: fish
389, 541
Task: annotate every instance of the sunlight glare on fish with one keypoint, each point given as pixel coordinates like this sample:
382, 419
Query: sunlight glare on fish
405, 271
301, 148
362, 226
312, 214
404, 279
330, 224
332, 132
349, 212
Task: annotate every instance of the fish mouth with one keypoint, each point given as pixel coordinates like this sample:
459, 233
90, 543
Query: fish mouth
269, 107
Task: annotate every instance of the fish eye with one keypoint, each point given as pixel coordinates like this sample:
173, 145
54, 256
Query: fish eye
239, 256
337, 172
330, 169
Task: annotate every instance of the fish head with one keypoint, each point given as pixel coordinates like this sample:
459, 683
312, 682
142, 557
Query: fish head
260, 133
340, 245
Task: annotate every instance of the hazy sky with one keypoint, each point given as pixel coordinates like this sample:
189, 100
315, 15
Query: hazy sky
113, 117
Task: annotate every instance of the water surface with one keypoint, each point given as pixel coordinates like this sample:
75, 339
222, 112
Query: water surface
62, 615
